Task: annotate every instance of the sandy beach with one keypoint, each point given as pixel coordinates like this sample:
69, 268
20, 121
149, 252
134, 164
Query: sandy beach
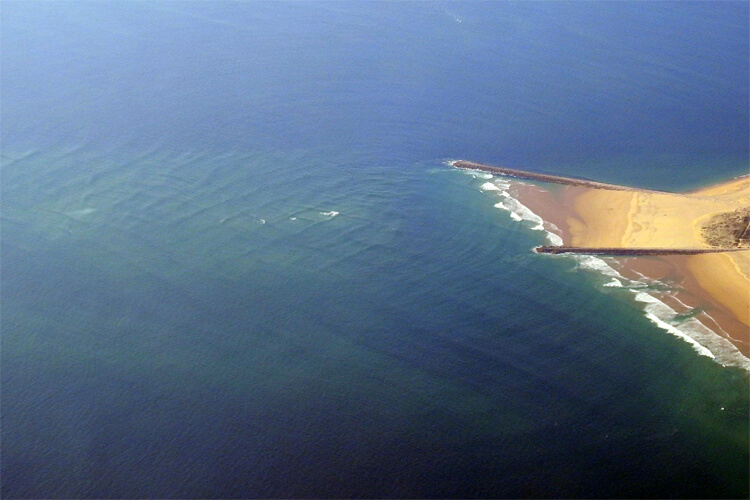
716, 284
713, 288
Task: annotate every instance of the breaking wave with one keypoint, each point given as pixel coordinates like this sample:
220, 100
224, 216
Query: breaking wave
705, 341
517, 210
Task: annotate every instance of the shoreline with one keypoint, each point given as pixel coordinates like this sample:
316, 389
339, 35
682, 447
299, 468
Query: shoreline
652, 237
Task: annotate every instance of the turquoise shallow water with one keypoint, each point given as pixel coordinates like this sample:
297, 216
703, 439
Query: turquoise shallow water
236, 265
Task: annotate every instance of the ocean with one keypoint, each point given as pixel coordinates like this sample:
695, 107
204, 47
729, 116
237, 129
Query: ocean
235, 263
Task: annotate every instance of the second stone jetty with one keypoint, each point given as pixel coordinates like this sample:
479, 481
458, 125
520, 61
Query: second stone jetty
557, 179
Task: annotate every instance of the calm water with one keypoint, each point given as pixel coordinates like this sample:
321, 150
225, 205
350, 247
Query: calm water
235, 264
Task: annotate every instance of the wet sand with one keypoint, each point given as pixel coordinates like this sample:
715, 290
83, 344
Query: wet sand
712, 287
718, 284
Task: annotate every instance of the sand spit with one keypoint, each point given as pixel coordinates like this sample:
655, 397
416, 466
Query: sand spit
695, 244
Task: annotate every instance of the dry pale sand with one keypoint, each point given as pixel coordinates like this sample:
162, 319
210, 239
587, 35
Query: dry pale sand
636, 219
719, 282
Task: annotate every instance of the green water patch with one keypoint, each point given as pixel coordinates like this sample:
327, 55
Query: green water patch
382, 315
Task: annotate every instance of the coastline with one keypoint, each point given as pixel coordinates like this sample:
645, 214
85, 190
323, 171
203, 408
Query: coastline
686, 286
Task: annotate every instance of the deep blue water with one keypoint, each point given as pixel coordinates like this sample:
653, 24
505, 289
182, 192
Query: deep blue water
234, 263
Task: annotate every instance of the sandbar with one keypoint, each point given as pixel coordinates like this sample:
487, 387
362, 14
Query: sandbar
698, 242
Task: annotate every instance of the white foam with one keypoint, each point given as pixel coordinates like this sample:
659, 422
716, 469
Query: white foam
554, 239
512, 214
659, 313
520, 212
599, 265
703, 351
523, 212
81, 212
676, 299
504, 185
330, 214
517, 210
702, 339
476, 174
644, 297
614, 283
